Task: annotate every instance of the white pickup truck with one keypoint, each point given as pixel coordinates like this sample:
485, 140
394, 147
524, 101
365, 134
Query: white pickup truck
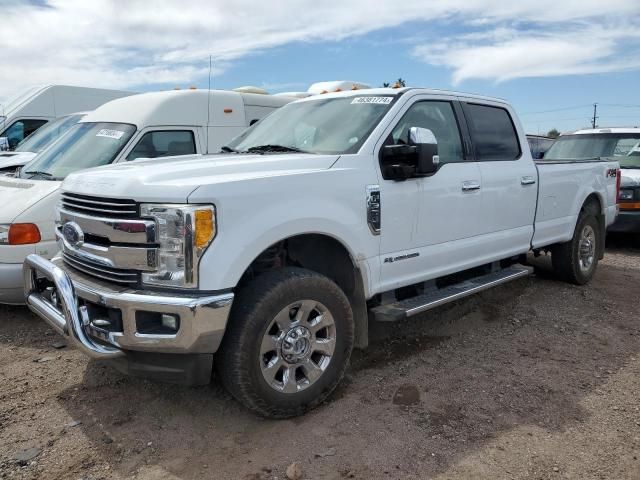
336, 210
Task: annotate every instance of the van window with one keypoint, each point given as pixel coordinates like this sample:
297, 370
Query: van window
441, 120
46, 135
164, 143
492, 132
20, 130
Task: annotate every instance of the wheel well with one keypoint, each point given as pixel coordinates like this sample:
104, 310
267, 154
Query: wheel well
324, 255
593, 205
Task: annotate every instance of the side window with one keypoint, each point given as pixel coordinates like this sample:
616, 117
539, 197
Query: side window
20, 130
164, 143
492, 132
438, 117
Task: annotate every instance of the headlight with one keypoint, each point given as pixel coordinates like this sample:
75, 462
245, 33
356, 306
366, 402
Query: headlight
19, 234
184, 233
626, 194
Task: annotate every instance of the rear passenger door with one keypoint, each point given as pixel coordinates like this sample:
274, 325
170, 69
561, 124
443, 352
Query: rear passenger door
509, 176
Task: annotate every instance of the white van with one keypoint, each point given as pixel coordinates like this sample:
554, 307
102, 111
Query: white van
37, 142
148, 125
24, 113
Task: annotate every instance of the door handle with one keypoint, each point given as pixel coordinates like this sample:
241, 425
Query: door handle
527, 180
470, 185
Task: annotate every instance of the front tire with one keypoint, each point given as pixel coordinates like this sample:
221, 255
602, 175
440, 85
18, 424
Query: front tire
576, 260
288, 342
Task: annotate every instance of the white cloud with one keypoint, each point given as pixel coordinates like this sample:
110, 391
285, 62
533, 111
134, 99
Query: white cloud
505, 54
127, 43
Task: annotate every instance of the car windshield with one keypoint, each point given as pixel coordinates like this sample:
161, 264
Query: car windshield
46, 135
624, 147
86, 145
328, 125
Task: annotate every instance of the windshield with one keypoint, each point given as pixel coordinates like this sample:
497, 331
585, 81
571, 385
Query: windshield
86, 145
44, 136
624, 147
329, 126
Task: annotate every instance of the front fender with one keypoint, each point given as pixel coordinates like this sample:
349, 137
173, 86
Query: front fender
279, 208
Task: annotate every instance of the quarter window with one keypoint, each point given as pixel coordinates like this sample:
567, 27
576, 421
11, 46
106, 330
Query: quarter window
492, 132
164, 143
441, 120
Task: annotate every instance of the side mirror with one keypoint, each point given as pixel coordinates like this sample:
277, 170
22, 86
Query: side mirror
4, 144
426, 150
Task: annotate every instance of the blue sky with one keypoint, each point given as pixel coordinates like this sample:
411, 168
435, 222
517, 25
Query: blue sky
376, 58
556, 58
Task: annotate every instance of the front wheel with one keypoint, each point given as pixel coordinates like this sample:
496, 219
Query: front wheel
576, 260
288, 343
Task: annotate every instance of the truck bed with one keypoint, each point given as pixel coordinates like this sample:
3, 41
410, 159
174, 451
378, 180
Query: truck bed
563, 186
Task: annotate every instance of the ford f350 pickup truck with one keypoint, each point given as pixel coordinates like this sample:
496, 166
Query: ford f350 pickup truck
269, 261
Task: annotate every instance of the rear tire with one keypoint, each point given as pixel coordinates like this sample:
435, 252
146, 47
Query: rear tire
288, 342
576, 260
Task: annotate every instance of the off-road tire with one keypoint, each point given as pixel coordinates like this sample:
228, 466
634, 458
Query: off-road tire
254, 308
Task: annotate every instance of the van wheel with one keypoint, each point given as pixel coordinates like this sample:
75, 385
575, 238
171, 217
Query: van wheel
576, 260
288, 342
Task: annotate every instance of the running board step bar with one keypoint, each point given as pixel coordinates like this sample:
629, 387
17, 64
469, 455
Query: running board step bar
404, 309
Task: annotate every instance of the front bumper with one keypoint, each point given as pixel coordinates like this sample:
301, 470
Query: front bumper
627, 222
81, 302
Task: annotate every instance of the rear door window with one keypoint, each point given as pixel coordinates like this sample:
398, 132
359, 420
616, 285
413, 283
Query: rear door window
164, 143
492, 132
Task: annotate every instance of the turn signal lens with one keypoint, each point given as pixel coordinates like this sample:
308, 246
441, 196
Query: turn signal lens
23, 234
205, 228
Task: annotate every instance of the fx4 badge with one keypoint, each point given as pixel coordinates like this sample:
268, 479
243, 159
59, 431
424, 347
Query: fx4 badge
401, 257
612, 172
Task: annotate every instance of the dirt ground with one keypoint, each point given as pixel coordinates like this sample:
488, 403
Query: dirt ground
535, 379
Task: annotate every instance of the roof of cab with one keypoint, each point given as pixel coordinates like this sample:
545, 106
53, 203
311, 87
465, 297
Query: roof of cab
400, 91
180, 107
606, 130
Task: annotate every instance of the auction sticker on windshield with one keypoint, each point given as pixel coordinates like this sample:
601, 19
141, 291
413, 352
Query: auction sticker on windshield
115, 134
374, 100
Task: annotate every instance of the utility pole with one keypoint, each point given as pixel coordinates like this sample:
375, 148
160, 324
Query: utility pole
595, 116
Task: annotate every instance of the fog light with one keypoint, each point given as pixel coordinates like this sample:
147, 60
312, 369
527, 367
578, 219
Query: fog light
170, 321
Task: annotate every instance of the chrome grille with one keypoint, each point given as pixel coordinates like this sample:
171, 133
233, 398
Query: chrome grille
99, 207
110, 274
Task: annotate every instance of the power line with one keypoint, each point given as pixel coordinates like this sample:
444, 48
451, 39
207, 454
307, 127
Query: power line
557, 110
595, 116
621, 105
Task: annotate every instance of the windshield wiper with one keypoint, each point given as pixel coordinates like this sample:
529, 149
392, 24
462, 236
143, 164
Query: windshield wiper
228, 149
36, 173
274, 148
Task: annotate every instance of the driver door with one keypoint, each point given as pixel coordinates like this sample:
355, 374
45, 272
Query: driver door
428, 223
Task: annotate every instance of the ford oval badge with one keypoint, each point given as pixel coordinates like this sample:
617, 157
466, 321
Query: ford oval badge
73, 234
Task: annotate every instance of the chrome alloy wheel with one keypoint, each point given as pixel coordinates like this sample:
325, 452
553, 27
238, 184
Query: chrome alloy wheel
297, 347
587, 248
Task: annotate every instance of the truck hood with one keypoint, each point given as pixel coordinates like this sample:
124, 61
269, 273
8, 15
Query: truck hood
17, 195
173, 179
630, 177
15, 159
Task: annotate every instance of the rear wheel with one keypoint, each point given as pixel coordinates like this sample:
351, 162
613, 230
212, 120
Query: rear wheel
576, 260
288, 342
